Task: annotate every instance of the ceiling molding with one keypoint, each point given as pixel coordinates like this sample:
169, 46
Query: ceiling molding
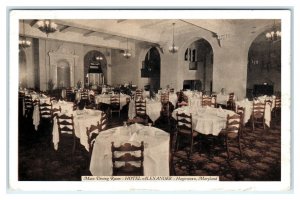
121, 20
64, 29
89, 33
33, 22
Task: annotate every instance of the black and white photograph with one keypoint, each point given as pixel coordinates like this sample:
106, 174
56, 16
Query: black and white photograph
105, 96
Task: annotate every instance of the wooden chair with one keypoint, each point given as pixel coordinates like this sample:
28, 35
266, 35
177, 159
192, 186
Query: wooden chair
241, 112
138, 94
213, 101
55, 112
69, 94
258, 114
164, 97
185, 129
129, 154
29, 105
232, 132
230, 102
182, 99
52, 98
103, 121
84, 97
92, 132
65, 125
206, 101
277, 107
45, 110
115, 104
140, 110
91, 102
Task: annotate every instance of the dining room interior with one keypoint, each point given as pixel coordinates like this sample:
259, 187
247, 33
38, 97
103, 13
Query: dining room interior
149, 97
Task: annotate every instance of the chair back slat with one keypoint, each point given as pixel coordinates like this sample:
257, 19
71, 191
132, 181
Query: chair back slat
140, 107
129, 153
92, 132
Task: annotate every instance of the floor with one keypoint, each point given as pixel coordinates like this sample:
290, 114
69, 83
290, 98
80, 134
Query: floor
260, 161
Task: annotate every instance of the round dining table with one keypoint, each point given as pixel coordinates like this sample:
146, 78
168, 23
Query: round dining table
82, 119
156, 149
206, 120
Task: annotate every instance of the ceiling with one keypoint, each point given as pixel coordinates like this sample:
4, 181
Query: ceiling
156, 31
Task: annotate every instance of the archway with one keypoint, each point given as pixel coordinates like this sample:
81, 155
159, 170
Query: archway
151, 69
63, 74
95, 63
198, 57
22, 69
264, 66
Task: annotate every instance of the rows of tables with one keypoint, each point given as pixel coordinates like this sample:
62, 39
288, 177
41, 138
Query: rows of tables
206, 120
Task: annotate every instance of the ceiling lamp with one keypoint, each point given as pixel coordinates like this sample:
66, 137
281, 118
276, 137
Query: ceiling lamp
99, 58
23, 42
126, 53
173, 48
274, 34
46, 26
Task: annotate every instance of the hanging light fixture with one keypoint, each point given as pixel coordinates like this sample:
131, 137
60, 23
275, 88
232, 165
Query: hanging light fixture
23, 42
126, 53
173, 48
274, 34
47, 26
99, 58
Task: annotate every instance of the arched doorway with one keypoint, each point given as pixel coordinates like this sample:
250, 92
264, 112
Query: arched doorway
151, 68
199, 58
22, 69
95, 63
63, 74
264, 66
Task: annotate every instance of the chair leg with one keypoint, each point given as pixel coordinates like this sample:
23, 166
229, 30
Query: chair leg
241, 131
227, 149
239, 141
176, 142
191, 148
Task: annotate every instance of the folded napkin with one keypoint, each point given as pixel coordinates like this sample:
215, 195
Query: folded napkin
133, 136
220, 109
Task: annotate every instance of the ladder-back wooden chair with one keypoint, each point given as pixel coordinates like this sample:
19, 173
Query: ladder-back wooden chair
115, 104
122, 164
65, 125
185, 130
258, 114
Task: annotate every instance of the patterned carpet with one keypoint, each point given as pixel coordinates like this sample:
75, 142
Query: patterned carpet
261, 160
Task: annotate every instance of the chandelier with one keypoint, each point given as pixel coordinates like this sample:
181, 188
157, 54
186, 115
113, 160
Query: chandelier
274, 34
23, 42
46, 26
173, 48
126, 53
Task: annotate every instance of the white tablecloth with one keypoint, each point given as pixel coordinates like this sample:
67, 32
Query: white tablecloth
248, 105
266, 98
105, 98
222, 99
36, 111
78, 94
153, 108
206, 120
190, 94
82, 119
156, 152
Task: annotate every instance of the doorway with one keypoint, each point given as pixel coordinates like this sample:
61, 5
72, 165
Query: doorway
63, 74
151, 68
